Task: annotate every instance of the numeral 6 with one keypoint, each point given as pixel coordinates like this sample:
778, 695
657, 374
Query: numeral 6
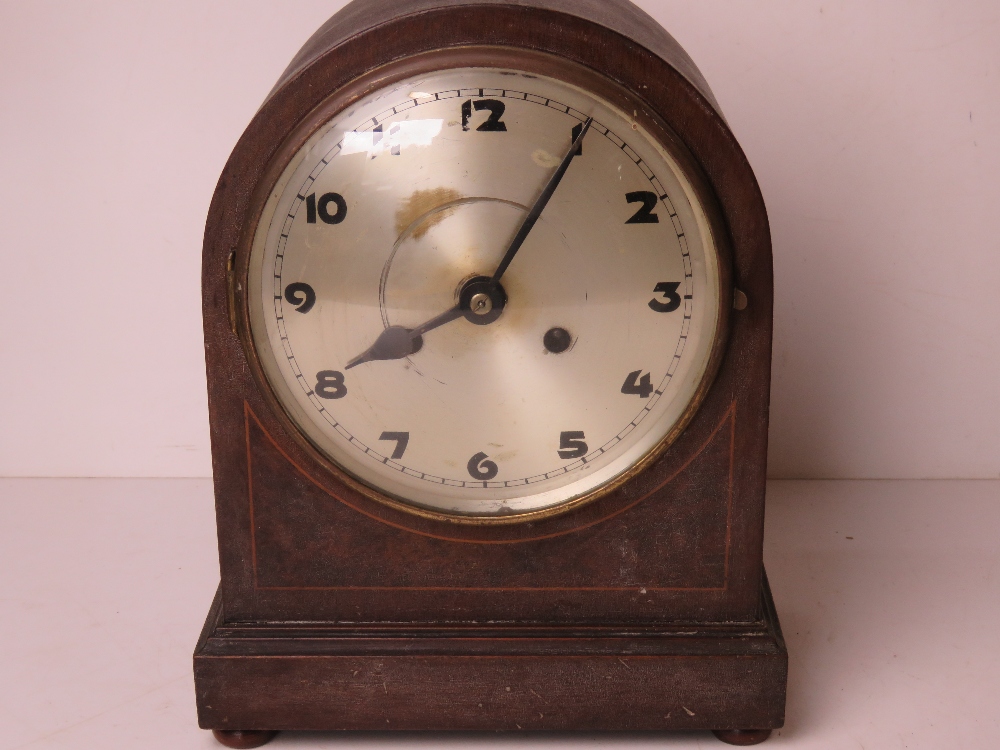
480, 468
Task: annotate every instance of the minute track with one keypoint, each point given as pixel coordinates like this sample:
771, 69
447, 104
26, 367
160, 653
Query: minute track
317, 169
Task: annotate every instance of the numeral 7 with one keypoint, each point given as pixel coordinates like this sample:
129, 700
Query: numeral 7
402, 440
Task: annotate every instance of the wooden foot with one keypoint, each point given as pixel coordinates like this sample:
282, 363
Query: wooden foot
742, 736
243, 740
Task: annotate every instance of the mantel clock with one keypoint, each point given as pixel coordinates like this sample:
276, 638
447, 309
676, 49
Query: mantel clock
487, 301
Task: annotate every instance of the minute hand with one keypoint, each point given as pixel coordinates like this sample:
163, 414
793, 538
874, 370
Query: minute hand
540, 203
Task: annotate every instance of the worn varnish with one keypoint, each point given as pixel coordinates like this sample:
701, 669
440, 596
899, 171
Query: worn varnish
646, 609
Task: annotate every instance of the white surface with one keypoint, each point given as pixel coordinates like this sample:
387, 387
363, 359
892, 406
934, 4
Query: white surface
873, 128
888, 593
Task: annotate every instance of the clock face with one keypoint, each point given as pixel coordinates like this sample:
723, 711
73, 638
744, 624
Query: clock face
485, 293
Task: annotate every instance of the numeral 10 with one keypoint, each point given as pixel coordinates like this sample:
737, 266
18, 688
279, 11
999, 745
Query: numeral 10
321, 208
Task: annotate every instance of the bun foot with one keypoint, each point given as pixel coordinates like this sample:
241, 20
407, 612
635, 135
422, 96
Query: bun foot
242, 740
742, 736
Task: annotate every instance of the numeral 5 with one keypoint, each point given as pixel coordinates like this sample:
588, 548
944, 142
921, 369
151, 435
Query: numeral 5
571, 445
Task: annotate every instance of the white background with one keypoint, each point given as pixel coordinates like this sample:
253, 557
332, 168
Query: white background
873, 127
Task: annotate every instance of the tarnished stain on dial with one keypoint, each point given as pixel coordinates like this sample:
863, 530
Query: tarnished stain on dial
423, 202
543, 158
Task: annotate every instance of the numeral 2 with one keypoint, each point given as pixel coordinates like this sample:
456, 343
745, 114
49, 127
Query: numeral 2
402, 440
645, 214
321, 208
636, 386
330, 384
301, 295
571, 445
492, 125
481, 469
669, 291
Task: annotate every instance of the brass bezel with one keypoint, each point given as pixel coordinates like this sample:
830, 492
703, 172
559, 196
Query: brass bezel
528, 61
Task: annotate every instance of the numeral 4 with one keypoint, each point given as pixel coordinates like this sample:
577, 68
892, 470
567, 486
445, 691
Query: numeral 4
638, 386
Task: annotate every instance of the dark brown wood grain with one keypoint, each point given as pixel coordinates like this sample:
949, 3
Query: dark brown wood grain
397, 677
666, 568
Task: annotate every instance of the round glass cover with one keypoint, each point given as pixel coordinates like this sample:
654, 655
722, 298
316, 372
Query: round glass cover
484, 292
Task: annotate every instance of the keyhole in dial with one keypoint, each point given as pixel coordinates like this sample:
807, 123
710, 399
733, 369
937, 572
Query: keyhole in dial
557, 340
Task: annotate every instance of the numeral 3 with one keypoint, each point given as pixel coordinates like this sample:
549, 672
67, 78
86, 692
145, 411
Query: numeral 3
669, 291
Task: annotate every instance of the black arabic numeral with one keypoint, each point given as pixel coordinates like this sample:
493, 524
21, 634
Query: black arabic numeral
301, 295
571, 445
481, 469
645, 214
577, 129
330, 384
493, 124
377, 138
321, 208
396, 149
402, 440
669, 291
636, 386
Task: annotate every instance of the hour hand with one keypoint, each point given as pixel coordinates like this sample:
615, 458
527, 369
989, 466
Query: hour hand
395, 342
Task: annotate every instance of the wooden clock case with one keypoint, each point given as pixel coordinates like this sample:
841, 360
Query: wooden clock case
645, 609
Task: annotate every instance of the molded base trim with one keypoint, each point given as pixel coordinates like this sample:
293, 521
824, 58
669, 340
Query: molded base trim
394, 677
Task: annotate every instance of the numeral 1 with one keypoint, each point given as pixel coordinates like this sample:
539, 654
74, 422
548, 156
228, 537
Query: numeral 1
577, 129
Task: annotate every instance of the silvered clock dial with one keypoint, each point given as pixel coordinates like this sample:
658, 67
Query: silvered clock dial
485, 293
